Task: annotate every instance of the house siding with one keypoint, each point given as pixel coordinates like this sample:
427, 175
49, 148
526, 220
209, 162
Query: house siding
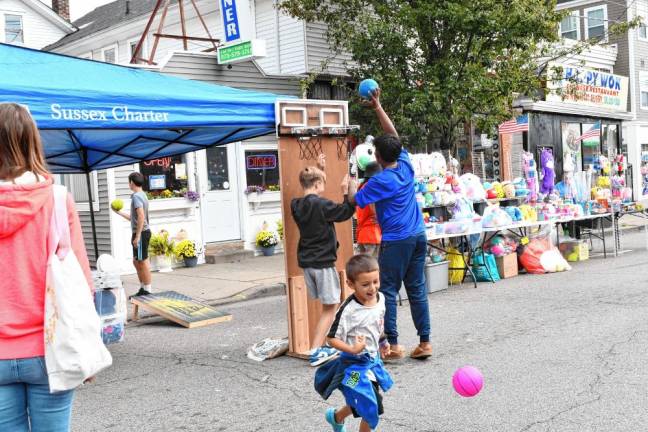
102, 221
266, 29
38, 30
319, 51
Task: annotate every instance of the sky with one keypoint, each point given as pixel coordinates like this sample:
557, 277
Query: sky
78, 8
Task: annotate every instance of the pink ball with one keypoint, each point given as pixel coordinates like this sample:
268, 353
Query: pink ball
467, 381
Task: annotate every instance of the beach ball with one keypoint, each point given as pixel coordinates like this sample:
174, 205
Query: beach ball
367, 86
467, 381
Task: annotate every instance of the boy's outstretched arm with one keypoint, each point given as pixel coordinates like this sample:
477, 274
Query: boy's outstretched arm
385, 122
340, 345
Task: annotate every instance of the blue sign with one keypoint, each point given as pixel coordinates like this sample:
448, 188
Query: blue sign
157, 182
231, 26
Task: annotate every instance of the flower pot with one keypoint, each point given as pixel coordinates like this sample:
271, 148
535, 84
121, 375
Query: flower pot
191, 261
268, 251
162, 263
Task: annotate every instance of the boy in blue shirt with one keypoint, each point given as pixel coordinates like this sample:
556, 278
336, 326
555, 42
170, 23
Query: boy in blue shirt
359, 372
404, 243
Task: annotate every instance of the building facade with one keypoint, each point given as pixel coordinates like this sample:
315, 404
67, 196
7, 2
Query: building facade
33, 24
588, 19
229, 208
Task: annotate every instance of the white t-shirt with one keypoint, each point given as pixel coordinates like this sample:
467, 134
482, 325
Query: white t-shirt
354, 319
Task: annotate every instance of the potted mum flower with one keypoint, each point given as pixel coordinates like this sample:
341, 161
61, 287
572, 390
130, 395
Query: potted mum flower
186, 250
267, 240
161, 249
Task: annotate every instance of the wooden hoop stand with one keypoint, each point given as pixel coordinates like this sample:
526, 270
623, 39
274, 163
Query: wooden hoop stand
326, 124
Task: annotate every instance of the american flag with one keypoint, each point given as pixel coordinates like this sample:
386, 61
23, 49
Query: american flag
594, 132
519, 124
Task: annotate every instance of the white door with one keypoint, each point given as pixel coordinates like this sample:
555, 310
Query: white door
221, 213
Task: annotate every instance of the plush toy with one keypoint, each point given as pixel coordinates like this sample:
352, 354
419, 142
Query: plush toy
495, 217
514, 212
491, 194
509, 190
620, 163
603, 182
472, 187
529, 213
362, 155
499, 190
604, 163
435, 165
531, 174
568, 175
548, 172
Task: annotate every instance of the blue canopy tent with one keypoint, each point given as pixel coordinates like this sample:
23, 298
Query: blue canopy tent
94, 115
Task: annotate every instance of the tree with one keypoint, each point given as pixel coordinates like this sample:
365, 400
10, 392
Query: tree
440, 63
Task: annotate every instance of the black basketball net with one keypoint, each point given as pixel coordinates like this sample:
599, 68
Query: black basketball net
309, 147
343, 148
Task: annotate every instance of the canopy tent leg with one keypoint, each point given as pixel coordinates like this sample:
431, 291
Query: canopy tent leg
92, 216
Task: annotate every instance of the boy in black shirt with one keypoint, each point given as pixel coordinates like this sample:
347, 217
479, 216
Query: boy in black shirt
317, 251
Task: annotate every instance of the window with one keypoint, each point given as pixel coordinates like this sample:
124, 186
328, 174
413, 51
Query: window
590, 146
643, 89
14, 29
643, 33
218, 168
642, 13
596, 23
78, 186
262, 168
644, 169
569, 27
165, 177
109, 55
132, 46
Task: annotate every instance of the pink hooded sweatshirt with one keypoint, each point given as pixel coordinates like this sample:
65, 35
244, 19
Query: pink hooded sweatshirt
25, 214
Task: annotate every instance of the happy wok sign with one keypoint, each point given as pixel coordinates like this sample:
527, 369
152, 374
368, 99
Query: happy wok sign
590, 87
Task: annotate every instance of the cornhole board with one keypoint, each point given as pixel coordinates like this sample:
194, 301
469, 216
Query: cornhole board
306, 128
179, 308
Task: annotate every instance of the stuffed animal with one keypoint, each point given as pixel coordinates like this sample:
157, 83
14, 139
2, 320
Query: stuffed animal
568, 176
499, 190
620, 163
472, 187
509, 190
548, 172
362, 155
531, 174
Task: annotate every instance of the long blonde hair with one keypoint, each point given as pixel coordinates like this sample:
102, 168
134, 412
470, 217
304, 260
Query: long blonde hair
21, 149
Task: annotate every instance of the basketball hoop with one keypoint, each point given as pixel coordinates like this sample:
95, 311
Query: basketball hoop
310, 147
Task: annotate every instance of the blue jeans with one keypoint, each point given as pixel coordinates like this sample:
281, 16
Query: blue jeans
25, 401
403, 261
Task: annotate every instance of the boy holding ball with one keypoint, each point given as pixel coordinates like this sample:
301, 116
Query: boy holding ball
357, 332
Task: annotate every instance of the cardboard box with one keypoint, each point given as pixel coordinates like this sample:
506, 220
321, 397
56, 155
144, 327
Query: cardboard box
574, 250
507, 265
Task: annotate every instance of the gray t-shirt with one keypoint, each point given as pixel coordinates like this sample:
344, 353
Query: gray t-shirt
355, 319
139, 200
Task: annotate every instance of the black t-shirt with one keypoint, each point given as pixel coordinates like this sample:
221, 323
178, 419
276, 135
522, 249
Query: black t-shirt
315, 216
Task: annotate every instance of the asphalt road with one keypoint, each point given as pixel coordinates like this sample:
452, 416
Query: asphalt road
562, 352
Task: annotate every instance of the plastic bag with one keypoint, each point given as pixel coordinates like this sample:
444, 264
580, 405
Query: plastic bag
456, 260
463, 209
485, 271
495, 217
473, 187
268, 349
541, 256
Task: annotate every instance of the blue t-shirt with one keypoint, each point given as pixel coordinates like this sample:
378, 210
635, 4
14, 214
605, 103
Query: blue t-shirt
393, 193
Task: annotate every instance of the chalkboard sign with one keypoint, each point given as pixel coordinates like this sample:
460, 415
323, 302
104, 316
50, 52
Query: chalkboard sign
179, 308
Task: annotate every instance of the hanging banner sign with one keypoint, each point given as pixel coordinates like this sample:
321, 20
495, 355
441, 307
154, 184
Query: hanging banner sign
589, 87
236, 19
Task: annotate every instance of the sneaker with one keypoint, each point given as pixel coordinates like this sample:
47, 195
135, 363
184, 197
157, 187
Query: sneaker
141, 292
330, 419
322, 355
396, 352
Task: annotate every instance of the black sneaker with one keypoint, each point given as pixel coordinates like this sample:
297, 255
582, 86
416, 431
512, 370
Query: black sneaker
141, 292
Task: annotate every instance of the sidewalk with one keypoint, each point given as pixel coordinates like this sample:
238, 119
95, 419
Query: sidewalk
221, 283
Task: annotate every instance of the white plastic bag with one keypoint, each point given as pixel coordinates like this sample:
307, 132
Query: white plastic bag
74, 351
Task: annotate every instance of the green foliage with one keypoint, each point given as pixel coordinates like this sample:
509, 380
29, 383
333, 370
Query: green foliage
161, 244
266, 239
441, 63
280, 229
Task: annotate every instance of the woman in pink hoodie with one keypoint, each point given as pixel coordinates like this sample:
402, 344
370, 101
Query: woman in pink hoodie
26, 205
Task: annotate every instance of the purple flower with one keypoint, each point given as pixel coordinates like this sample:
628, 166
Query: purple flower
192, 196
254, 189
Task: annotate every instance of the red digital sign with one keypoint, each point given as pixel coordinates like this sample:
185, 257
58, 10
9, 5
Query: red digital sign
261, 162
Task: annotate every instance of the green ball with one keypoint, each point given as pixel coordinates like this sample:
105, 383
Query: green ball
363, 161
117, 204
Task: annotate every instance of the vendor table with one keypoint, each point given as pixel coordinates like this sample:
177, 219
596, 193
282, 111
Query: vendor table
615, 217
520, 229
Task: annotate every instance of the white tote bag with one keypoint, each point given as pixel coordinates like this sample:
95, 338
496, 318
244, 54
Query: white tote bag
74, 350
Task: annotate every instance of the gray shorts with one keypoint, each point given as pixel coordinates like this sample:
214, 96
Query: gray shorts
323, 284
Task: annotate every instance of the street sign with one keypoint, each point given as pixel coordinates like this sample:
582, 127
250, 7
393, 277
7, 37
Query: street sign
179, 308
241, 51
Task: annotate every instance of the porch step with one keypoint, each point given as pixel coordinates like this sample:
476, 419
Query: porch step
228, 252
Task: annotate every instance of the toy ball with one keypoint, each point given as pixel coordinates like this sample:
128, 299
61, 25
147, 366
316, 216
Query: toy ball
468, 381
117, 204
367, 87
